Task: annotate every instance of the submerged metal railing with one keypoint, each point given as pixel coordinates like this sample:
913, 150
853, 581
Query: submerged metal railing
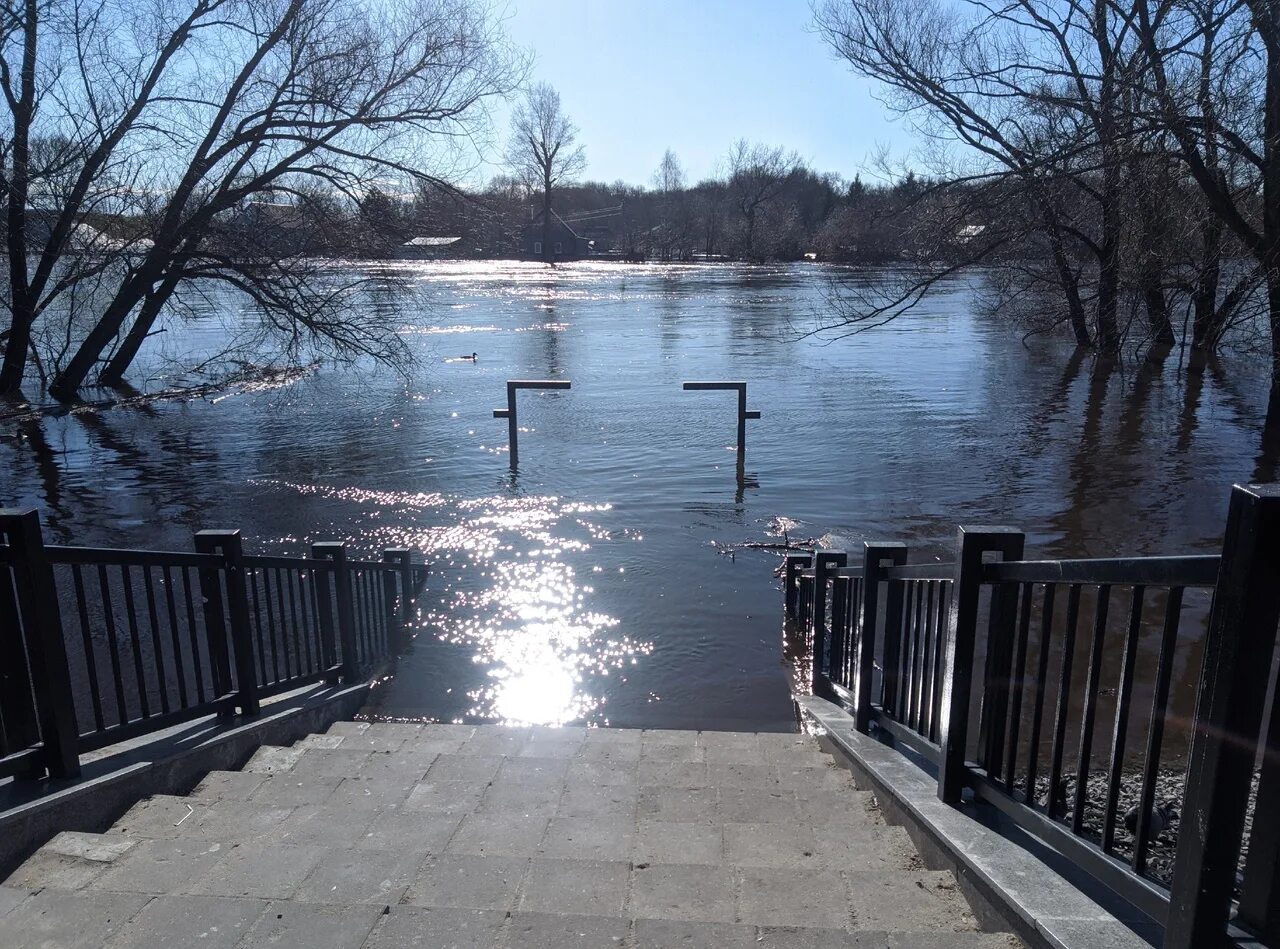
100, 645
993, 670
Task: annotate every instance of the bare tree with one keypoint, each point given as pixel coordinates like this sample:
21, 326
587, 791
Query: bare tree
76, 81
757, 175
543, 150
335, 92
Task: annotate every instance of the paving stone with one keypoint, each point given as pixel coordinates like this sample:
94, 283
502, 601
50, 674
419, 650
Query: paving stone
96, 848
658, 802
491, 740
671, 750
589, 838
57, 871
360, 876
379, 743
397, 729
922, 900
411, 831
292, 790
57, 919
270, 759
321, 764
228, 785
163, 866
779, 844
445, 797
680, 934
683, 842
210, 922
161, 816
321, 824
411, 927
866, 848
756, 806
11, 896
265, 870
626, 752
405, 769
498, 835
235, 820
737, 775
463, 881
667, 891
597, 771
553, 931
288, 925
321, 741
348, 728
533, 770
365, 796
588, 887
512, 797
464, 768
675, 774
792, 897
604, 800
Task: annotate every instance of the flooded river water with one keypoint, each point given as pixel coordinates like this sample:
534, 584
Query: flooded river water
592, 585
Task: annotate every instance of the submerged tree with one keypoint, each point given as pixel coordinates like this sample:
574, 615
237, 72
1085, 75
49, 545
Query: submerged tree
180, 126
757, 175
543, 150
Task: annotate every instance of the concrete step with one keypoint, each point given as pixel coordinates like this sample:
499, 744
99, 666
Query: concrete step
378, 834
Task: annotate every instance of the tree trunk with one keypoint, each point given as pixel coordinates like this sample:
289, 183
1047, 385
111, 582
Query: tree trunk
1108, 331
152, 304
73, 375
22, 303
546, 220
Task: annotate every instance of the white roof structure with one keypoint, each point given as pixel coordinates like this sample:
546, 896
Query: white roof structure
432, 241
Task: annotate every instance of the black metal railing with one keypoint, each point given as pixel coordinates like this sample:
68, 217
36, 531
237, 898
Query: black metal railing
100, 645
1061, 693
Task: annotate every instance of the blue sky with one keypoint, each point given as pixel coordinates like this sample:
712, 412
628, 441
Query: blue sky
639, 76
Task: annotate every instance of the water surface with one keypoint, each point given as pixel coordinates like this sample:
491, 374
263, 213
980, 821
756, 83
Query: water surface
593, 584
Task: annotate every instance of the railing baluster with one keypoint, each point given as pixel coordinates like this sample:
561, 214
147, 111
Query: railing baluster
939, 653
1018, 685
891, 648
178, 662
265, 576
1090, 708
1064, 701
113, 644
197, 667
1042, 680
153, 621
1155, 734
1120, 731
301, 587
135, 641
924, 663
90, 660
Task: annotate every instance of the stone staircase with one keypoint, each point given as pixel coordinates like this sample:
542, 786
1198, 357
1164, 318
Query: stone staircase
393, 835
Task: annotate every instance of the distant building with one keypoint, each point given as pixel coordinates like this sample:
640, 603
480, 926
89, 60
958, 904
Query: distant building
564, 243
428, 248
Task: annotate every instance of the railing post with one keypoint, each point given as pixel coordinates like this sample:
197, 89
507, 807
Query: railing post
1238, 652
337, 552
228, 545
399, 619
962, 635
874, 558
791, 565
822, 561
37, 605
997, 679
324, 612
215, 626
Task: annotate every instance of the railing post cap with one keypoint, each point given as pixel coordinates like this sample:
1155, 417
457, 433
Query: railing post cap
218, 532
8, 512
1263, 492
884, 545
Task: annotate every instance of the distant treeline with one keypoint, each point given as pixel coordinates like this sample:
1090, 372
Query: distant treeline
768, 206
